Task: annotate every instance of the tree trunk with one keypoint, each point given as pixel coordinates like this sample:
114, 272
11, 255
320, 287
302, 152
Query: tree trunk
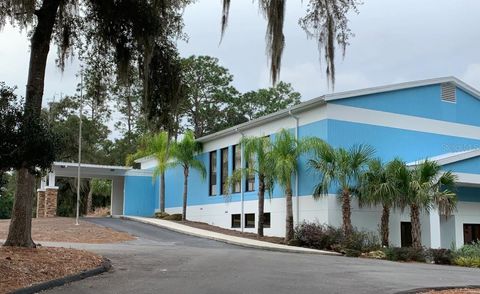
19, 233
89, 198
162, 192
384, 224
288, 214
346, 212
261, 204
416, 229
185, 190
20, 230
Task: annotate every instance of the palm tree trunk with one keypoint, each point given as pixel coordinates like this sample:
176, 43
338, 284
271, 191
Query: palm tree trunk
162, 192
384, 224
346, 212
19, 233
289, 215
416, 229
261, 204
185, 190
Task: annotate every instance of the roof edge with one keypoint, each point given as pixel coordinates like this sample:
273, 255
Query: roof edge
449, 158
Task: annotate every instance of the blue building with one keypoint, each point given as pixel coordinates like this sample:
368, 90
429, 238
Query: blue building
437, 119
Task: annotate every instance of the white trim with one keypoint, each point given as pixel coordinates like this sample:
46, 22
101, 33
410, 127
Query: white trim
61, 164
144, 159
466, 178
401, 121
448, 158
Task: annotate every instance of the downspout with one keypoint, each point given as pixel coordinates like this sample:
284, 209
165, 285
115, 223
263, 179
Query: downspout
297, 199
242, 185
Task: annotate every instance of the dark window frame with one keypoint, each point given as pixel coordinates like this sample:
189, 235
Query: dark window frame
246, 222
213, 174
474, 231
234, 222
250, 179
237, 188
223, 170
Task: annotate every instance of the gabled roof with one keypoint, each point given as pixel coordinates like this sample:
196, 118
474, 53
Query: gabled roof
322, 100
448, 158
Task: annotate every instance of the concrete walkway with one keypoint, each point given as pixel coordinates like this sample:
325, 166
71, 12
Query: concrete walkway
245, 242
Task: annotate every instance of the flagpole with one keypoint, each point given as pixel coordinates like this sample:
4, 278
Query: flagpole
79, 147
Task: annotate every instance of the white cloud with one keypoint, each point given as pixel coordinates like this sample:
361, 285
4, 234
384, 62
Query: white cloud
472, 75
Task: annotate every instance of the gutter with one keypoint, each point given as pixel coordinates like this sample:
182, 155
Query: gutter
242, 185
297, 199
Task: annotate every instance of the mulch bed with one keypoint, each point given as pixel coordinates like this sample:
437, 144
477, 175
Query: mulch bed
205, 226
23, 267
454, 291
63, 229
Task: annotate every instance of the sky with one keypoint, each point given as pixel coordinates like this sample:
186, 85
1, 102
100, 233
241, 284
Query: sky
395, 41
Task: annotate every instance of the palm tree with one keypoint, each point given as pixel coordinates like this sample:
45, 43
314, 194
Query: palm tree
184, 154
380, 186
157, 146
343, 168
256, 150
286, 149
424, 187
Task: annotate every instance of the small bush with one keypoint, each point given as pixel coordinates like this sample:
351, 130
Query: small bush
405, 254
378, 254
469, 261
318, 236
174, 217
468, 255
161, 215
441, 256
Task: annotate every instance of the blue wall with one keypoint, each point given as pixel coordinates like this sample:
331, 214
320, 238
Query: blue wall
422, 102
139, 196
468, 194
471, 166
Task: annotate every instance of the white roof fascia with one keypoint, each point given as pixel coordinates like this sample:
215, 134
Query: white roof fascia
448, 158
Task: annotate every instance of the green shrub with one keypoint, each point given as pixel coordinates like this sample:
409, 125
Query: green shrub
405, 254
161, 215
468, 255
441, 256
318, 236
378, 254
469, 261
6, 205
174, 217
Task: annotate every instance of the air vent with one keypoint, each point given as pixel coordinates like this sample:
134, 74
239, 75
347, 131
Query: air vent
448, 92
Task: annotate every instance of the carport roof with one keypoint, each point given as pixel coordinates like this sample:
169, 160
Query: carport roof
87, 170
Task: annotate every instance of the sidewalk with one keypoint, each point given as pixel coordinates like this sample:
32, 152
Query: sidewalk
245, 242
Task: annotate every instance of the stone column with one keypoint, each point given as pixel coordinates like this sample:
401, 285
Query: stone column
40, 203
51, 201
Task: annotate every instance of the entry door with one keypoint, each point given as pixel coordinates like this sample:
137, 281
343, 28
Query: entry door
471, 233
406, 234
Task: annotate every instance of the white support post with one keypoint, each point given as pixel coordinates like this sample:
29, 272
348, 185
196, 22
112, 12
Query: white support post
51, 179
435, 231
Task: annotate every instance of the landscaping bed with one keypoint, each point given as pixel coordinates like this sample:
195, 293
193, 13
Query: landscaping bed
454, 291
205, 226
62, 229
23, 267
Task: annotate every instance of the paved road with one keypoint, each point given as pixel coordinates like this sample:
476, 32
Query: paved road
161, 261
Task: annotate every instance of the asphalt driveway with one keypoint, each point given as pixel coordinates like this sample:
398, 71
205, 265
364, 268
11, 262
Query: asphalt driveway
162, 261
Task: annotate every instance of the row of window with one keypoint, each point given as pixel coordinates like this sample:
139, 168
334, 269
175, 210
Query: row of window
250, 220
236, 164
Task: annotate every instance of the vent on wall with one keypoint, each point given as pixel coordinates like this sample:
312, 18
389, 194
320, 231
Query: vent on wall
448, 92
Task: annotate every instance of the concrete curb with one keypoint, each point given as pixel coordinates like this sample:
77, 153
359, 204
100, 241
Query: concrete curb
422, 290
224, 240
104, 267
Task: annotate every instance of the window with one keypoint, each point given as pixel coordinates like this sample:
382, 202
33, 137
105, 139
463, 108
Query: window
224, 170
406, 234
213, 173
250, 182
250, 220
236, 221
237, 164
266, 220
471, 233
